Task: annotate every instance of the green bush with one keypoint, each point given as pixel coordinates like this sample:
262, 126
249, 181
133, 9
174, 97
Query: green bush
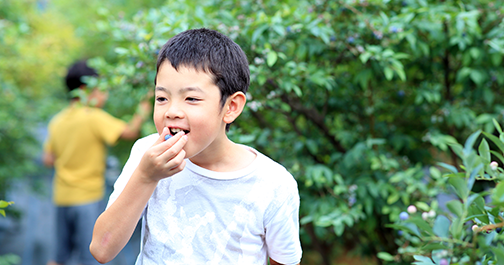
470, 231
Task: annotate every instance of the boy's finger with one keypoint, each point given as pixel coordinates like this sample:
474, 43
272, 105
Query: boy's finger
174, 149
162, 136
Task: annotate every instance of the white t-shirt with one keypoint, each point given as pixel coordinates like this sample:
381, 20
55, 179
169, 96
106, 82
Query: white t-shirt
199, 216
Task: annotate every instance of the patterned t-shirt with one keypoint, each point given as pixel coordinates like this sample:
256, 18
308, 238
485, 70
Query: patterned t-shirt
200, 216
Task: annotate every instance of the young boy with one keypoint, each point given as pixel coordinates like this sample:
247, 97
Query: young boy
203, 198
76, 147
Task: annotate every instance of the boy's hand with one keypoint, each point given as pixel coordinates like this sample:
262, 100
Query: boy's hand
164, 158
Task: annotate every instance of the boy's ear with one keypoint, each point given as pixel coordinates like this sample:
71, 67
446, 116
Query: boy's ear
234, 106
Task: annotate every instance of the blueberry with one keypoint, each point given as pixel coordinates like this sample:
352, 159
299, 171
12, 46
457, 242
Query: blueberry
333, 38
168, 136
393, 29
401, 93
400, 232
498, 229
403, 216
289, 29
378, 35
351, 39
352, 200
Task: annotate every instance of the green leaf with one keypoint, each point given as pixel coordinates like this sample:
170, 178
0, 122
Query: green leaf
498, 195
393, 198
272, 58
421, 224
460, 186
389, 74
421, 260
495, 140
121, 51
3, 204
364, 57
498, 155
484, 151
470, 142
422, 206
496, 59
258, 32
497, 126
449, 167
441, 226
477, 77
401, 74
456, 207
499, 253
433, 246
456, 227
406, 227
434, 172
385, 256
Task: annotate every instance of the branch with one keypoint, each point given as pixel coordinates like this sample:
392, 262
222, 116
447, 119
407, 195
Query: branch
314, 116
296, 129
446, 63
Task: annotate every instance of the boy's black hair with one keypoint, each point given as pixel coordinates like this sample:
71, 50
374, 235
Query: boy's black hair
212, 52
75, 73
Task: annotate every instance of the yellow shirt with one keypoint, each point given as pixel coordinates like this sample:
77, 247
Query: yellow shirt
77, 138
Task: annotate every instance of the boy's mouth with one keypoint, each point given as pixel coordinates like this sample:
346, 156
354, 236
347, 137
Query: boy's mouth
174, 131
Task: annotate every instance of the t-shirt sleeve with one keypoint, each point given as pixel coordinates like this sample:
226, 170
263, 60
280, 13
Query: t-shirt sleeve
107, 127
282, 229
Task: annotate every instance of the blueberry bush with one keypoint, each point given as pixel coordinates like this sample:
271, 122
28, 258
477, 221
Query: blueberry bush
468, 230
7, 259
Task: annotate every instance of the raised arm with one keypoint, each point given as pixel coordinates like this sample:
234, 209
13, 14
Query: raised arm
115, 226
132, 130
48, 159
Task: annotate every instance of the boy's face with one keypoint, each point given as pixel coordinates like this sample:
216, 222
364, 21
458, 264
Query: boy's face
98, 98
189, 100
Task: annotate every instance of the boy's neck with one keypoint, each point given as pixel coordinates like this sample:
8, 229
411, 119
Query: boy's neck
231, 157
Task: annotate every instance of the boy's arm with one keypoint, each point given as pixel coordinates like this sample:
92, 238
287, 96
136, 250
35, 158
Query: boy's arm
272, 262
132, 130
115, 226
48, 159
282, 223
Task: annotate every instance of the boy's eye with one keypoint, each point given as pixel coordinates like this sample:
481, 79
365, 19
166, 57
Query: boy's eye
161, 99
192, 99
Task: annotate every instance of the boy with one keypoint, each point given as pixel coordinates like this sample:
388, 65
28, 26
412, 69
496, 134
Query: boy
76, 147
203, 199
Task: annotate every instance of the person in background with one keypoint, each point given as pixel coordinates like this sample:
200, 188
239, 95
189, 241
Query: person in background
76, 146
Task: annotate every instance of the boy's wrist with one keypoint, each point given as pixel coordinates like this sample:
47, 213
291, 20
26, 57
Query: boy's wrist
144, 178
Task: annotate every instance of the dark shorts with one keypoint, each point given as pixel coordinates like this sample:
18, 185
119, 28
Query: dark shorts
74, 230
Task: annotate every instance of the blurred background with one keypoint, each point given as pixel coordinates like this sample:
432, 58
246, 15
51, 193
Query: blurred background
363, 101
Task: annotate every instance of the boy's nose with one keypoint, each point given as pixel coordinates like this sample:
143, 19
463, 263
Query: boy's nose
174, 112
